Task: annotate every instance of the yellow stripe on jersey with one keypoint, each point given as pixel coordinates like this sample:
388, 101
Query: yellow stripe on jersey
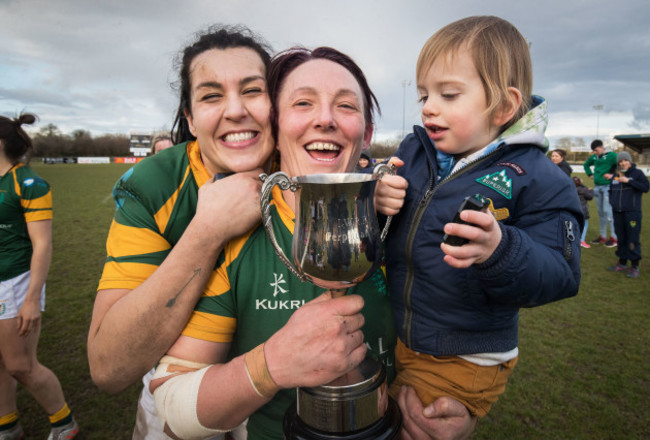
162, 216
38, 216
201, 174
218, 283
126, 240
34, 216
125, 275
42, 205
286, 214
16, 185
209, 327
43, 202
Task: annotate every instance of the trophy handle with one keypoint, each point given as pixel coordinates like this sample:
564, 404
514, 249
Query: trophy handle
285, 183
380, 171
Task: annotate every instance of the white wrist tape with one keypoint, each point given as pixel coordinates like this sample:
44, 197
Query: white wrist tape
176, 401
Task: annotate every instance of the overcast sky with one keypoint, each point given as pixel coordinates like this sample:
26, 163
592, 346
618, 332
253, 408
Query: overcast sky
106, 66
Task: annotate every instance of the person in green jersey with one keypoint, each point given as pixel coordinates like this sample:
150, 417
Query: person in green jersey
177, 209
258, 332
25, 255
604, 168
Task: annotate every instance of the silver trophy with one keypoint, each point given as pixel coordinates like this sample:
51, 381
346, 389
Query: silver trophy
336, 244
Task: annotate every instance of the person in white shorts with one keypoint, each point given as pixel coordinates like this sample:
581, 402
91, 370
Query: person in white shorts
12, 295
25, 255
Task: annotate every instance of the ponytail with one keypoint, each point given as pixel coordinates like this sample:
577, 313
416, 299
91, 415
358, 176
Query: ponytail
15, 141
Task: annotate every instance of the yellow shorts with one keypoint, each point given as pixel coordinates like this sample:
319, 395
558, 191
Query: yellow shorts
476, 386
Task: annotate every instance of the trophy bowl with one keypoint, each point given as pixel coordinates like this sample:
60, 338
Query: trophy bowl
336, 240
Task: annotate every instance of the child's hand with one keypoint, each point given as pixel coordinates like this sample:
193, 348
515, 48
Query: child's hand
484, 235
390, 191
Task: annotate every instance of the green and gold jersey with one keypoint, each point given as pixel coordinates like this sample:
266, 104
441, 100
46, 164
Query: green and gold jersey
24, 197
252, 295
155, 201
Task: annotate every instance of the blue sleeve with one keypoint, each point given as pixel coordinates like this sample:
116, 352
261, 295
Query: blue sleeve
538, 259
640, 182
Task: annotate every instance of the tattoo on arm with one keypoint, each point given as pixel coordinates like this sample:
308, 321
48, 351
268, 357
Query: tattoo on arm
172, 301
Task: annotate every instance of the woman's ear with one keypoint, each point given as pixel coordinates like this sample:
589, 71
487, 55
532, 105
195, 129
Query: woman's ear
367, 136
508, 108
190, 121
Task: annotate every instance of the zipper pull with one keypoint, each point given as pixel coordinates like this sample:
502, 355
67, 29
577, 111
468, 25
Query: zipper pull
568, 226
426, 196
568, 249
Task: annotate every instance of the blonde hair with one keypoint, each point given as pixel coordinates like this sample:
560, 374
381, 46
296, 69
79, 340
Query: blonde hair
499, 51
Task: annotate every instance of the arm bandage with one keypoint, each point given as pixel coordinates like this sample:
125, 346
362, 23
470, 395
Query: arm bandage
176, 399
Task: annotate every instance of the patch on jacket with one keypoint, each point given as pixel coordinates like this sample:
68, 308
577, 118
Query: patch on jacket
499, 213
499, 182
519, 170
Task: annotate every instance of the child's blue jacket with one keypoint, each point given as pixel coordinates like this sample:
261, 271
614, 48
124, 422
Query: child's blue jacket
441, 310
627, 196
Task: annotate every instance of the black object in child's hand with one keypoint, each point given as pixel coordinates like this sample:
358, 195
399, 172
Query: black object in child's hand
475, 203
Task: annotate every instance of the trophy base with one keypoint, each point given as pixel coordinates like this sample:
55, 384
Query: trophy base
349, 403
386, 428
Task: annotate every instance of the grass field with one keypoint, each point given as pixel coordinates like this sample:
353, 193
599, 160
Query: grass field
582, 371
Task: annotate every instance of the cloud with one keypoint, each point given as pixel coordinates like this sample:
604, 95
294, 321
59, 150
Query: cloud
641, 117
107, 66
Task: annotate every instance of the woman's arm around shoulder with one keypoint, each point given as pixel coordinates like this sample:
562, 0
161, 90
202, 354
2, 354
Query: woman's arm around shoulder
131, 329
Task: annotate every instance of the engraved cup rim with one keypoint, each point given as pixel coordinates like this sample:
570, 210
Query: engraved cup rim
329, 178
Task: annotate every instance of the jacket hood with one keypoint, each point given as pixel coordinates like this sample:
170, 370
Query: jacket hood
530, 129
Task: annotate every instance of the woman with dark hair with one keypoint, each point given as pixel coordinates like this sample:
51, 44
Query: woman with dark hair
364, 162
240, 359
217, 37
558, 156
177, 209
25, 255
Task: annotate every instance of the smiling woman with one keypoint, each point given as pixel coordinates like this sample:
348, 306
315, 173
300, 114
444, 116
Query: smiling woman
324, 127
229, 111
169, 227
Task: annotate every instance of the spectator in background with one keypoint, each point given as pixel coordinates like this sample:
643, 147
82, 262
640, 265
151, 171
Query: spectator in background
25, 255
584, 194
364, 162
604, 163
558, 156
161, 142
625, 194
